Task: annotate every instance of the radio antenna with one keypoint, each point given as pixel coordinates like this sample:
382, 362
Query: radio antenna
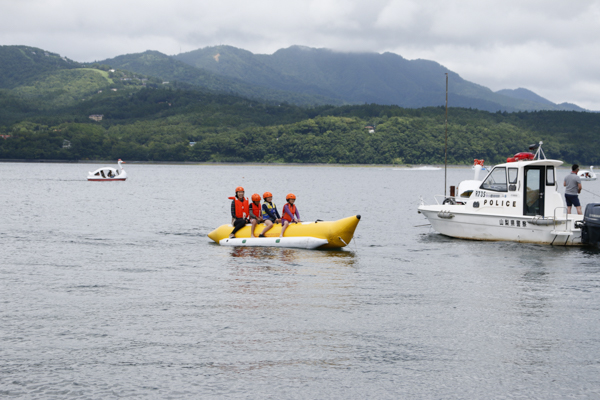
446, 148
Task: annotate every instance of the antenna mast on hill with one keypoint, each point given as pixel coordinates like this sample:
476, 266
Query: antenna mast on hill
446, 148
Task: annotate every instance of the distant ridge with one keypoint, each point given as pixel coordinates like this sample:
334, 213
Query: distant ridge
296, 75
525, 94
154, 63
358, 78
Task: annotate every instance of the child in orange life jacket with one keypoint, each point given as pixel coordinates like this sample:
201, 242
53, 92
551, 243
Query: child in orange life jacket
239, 210
255, 213
290, 213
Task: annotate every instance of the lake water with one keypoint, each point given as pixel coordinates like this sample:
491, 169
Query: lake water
112, 289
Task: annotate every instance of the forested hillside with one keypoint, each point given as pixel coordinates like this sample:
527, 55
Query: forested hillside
20, 65
159, 124
34, 82
45, 114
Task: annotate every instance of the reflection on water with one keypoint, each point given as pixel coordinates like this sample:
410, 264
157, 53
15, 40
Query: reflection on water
591, 252
293, 255
291, 280
534, 286
262, 253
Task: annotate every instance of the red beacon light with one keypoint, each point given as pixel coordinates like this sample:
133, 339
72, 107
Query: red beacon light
524, 156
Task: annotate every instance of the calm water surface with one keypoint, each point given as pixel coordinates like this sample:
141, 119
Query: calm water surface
112, 289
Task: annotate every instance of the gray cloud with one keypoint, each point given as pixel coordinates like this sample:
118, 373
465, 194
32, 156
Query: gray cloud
546, 46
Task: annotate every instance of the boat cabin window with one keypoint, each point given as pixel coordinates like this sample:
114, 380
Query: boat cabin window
513, 174
496, 180
550, 181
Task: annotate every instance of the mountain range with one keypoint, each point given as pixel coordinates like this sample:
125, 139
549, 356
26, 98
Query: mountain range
322, 76
295, 75
298, 105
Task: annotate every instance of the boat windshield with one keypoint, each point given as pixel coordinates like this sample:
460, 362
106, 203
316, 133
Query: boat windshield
496, 180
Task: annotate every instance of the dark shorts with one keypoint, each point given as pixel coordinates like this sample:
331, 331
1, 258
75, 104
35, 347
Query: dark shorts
572, 200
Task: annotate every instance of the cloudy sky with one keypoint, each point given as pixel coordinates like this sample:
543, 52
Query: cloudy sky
551, 47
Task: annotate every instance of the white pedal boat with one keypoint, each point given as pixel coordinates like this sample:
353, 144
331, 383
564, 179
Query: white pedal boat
586, 175
108, 174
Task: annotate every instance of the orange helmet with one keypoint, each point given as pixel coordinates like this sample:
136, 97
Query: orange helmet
256, 197
290, 196
239, 189
267, 194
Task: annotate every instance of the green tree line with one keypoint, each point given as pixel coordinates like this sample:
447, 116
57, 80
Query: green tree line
159, 124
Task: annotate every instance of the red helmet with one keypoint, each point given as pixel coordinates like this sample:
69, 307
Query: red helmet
239, 189
256, 197
290, 196
267, 194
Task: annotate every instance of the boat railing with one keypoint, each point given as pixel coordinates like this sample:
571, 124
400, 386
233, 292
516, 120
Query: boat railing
445, 199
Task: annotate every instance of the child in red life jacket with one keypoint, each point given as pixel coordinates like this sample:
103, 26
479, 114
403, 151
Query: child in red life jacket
290, 213
255, 213
239, 210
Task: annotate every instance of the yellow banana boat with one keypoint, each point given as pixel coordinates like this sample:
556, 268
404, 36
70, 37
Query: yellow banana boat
337, 233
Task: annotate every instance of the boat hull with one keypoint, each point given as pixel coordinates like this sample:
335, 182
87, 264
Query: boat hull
337, 233
106, 179
496, 227
107, 174
293, 242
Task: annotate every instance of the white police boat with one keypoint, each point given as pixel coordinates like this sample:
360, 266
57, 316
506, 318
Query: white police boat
516, 201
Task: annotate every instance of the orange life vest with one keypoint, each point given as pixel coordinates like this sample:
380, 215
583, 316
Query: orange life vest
292, 209
241, 207
256, 210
